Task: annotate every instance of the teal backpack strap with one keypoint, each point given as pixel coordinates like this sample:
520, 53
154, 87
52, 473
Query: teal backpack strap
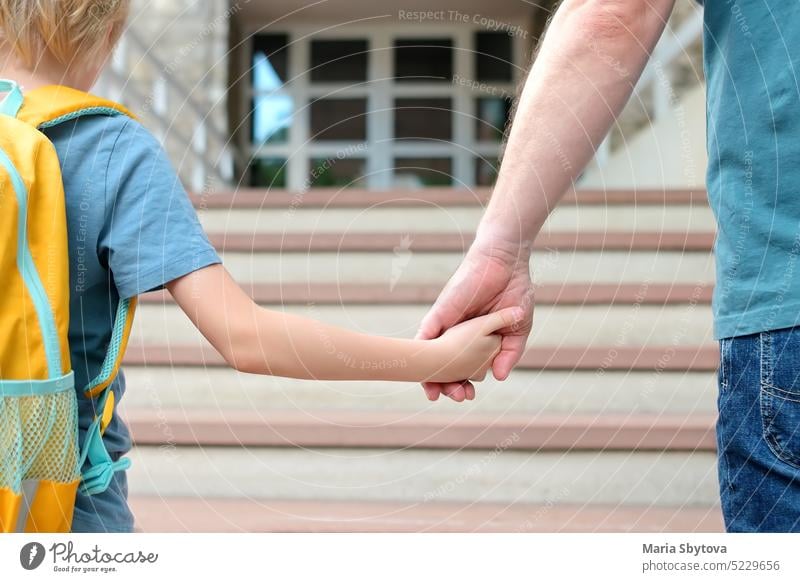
11, 103
123, 321
97, 467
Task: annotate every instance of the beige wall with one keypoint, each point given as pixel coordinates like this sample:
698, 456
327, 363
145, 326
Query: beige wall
671, 153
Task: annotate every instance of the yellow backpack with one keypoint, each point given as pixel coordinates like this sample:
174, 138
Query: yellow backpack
41, 466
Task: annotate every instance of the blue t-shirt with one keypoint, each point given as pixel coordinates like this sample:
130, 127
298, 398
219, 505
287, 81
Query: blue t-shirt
752, 64
131, 229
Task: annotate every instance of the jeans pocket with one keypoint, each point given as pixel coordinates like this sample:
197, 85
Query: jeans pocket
723, 370
780, 393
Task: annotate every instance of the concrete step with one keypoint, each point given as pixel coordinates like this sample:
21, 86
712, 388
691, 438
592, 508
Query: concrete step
255, 198
453, 211
401, 266
181, 514
607, 424
526, 391
423, 430
425, 294
403, 258
619, 326
450, 220
602, 477
601, 459
424, 242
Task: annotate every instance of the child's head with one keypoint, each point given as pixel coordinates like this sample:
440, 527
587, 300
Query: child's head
77, 35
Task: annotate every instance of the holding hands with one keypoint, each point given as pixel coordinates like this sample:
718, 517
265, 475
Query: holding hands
470, 347
494, 279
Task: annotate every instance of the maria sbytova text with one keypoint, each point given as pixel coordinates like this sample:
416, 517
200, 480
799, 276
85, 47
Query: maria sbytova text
690, 549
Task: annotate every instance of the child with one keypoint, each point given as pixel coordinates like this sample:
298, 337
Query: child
132, 229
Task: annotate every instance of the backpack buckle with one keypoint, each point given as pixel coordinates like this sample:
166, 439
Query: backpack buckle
97, 477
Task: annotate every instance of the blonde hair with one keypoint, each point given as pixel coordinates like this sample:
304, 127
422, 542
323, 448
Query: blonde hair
70, 30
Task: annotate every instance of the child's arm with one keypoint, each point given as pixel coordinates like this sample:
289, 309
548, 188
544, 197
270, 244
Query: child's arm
260, 341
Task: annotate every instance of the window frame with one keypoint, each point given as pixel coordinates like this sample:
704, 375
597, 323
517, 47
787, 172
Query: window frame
380, 149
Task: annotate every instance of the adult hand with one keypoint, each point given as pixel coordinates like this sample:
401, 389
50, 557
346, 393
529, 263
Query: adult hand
494, 275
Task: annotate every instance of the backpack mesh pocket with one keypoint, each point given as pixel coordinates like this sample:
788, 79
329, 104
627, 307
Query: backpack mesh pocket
38, 438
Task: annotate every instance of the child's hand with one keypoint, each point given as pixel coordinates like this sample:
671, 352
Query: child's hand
469, 348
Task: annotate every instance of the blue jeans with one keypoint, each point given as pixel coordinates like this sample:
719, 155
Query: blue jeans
758, 431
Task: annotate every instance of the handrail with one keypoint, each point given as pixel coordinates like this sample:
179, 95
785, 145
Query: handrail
174, 83
117, 78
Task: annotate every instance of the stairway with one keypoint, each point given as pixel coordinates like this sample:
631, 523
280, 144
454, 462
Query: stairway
607, 424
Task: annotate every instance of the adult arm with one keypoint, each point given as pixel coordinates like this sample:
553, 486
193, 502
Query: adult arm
591, 57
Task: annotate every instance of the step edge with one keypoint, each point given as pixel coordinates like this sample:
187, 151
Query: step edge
181, 513
249, 198
416, 294
430, 242
379, 430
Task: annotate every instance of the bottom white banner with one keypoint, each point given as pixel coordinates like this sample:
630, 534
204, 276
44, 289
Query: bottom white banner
389, 557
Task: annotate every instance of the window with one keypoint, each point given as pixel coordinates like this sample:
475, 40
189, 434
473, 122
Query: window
423, 60
423, 119
493, 56
274, 48
335, 172
268, 172
339, 119
380, 106
418, 172
339, 60
491, 118
271, 110
485, 172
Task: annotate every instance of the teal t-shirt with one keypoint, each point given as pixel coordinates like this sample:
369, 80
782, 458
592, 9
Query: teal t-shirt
131, 228
752, 64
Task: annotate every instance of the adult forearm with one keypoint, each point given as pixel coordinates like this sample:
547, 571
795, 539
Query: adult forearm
590, 60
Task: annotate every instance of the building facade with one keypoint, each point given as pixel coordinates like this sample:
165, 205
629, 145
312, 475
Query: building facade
343, 94
376, 95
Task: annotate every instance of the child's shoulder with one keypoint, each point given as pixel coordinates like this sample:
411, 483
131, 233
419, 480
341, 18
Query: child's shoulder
118, 143
103, 132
